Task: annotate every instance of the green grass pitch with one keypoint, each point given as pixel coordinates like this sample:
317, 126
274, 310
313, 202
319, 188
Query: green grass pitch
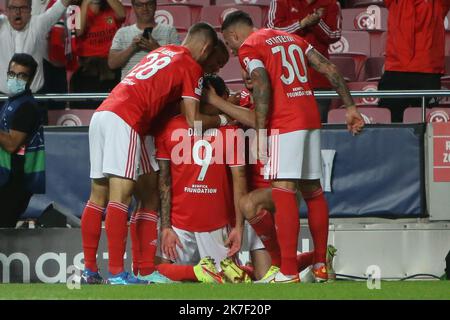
335, 291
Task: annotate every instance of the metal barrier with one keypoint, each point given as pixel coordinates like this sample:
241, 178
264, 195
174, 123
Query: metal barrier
398, 94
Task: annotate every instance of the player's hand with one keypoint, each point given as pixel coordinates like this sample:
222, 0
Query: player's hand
234, 241
259, 148
209, 95
355, 122
169, 243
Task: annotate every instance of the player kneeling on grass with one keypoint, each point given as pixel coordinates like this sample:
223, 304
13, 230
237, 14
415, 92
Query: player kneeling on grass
202, 178
258, 207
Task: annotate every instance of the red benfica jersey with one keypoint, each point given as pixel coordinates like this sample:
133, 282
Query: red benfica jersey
416, 35
283, 55
202, 192
285, 15
100, 30
255, 177
162, 77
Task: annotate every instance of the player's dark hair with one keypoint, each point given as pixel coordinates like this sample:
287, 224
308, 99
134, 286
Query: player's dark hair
217, 83
222, 47
206, 29
25, 60
234, 17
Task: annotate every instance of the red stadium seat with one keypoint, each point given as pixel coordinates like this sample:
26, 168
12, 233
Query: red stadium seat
364, 3
373, 69
231, 72
447, 43
185, 2
414, 115
372, 18
371, 115
364, 86
243, 2
181, 17
447, 22
70, 118
346, 65
216, 14
352, 42
445, 85
378, 44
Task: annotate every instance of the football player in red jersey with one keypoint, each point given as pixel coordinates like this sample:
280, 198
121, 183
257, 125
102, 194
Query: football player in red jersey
199, 197
285, 105
258, 203
166, 75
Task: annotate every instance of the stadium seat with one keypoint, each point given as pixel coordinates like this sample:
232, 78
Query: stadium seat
445, 85
346, 65
364, 86
372, 18
231, 72
373, 69
215, 14
70, 117
377, 44
352, 42
182, 17
364, 3
243, 2
371, 115
414, 115
447, 43
2, 6
185, 2
447, 22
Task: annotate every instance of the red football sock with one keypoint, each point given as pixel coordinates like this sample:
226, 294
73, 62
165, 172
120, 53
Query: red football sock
146, 227
177, 272
318, 223
135, 248
249, 270
91, 229
288, 226
116, 232
304, 260
264, 226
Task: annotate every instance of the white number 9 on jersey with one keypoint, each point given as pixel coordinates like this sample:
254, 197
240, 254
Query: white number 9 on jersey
148, 69
206, 161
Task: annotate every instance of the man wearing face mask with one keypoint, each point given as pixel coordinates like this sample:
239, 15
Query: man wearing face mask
22, 32
22, 157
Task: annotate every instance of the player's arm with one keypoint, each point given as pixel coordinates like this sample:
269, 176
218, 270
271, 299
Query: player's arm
262, 93
12, 140
191, 109
244, 115
165, 182
355, 122
239, 190
169, 239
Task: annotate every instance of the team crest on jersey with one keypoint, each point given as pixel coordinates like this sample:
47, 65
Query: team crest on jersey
109, 20
199, 88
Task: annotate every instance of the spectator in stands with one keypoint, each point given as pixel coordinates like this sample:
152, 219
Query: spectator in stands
100, 20
415, 58
132, 43
20, 32
61, 58
319, 23
21, 142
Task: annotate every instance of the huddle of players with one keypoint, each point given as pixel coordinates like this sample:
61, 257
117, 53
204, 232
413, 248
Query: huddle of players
202, 217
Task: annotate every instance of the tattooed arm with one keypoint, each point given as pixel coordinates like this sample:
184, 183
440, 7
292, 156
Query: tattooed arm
169, 239
354, 120
262, 92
